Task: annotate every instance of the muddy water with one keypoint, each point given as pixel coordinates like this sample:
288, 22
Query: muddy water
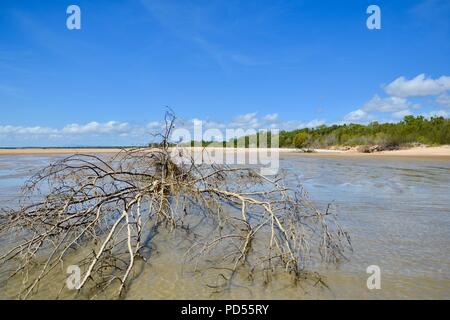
397, 212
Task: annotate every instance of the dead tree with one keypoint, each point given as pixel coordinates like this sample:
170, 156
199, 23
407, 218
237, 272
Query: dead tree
107, 203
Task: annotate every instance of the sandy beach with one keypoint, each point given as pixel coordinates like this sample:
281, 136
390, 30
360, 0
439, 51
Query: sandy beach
440, 152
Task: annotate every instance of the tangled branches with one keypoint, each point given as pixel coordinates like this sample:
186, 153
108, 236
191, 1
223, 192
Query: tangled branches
107, 204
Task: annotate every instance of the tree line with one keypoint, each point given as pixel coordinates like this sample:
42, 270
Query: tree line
410, 130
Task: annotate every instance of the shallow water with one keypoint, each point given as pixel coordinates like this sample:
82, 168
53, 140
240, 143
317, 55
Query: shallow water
397, 212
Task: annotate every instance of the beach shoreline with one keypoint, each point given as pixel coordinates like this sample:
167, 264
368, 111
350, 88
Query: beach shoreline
439, 152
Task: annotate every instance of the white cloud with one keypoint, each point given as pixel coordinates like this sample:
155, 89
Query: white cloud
95, 127
296, 124
398, 107
437, 113
419, 86
214, 125
444, 100
271, 117
401, 114
397, 104
356, 115
315, 123
251, 121
92, 133
7, 129
154, 125
245, 118
123, 133
197, 122
73, 133
206, 124
248, 120
389, 104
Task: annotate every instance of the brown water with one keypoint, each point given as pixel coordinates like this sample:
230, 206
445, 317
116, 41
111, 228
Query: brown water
397, 212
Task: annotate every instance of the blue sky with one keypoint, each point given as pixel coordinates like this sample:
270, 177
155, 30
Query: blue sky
260, 64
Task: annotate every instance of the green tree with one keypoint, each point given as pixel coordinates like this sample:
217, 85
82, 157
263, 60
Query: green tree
301, 140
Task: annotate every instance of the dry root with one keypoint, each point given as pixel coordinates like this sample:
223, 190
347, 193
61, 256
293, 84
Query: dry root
109, 203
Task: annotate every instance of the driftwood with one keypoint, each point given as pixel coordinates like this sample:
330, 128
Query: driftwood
258, 224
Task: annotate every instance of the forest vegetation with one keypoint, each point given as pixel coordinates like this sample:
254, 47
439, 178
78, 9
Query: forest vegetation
411, 130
